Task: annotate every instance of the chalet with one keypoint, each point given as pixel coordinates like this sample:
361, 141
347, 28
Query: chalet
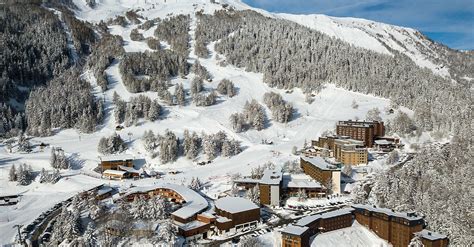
9, 200
235, 213
114, 161
270, 187
387, 144
194, 230
104, 192
323, 172
395, 227
433, 239
115, 174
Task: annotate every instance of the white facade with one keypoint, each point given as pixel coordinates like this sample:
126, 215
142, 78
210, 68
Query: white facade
275, 195
336, 182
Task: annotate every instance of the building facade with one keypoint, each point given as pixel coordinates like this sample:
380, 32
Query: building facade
396, 228
323, 172
236, 213
433, 239
300, 233
295, 236
270, 187
113, 162
361, 130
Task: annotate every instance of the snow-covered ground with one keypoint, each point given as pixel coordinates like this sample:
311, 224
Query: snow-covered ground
363, 33
330, 105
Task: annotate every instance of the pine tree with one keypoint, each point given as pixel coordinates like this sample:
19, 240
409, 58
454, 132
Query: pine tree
154, 111
89, 237
373, 115
43, 176
180, 95
12, 175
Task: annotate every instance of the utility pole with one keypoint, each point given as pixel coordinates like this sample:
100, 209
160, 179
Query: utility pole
19, 235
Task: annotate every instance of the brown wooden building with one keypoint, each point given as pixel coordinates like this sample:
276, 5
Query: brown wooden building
300, 233
361, 130
433, 239
396, 228
236, 212
270, 186
321, 171
192, 203
114, 161
295, 236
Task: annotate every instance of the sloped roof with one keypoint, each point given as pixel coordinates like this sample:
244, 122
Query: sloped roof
114, 172
195, 203
117, 157
235, 204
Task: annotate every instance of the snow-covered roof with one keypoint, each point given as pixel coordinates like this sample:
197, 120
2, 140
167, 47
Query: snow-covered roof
387, 212
383, 142
129, 169
235, 204
195, 203
295, 230
221, 219
247, 180
117, 157
309, 219
271, 177
431, 235
300, 181
114, 172
103, 190
192, 225
320, 163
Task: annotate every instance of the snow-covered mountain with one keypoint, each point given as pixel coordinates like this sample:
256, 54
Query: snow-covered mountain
351, 99
376, 36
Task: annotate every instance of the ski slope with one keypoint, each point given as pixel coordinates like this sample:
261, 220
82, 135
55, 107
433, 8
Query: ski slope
367, 34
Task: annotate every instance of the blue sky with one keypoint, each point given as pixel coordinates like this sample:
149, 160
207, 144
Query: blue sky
450, 22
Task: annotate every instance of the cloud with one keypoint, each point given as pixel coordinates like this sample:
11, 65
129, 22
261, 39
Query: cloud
450, 22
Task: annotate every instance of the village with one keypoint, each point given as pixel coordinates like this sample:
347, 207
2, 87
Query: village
300, 201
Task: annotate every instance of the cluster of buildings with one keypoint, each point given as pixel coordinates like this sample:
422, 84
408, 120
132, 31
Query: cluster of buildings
394, 227
350, 144
195, 219
275, 186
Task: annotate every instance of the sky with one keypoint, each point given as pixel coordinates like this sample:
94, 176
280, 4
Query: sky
450, 22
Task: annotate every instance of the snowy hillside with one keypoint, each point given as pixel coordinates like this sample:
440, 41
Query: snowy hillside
376, 36
363, 33
309, 121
